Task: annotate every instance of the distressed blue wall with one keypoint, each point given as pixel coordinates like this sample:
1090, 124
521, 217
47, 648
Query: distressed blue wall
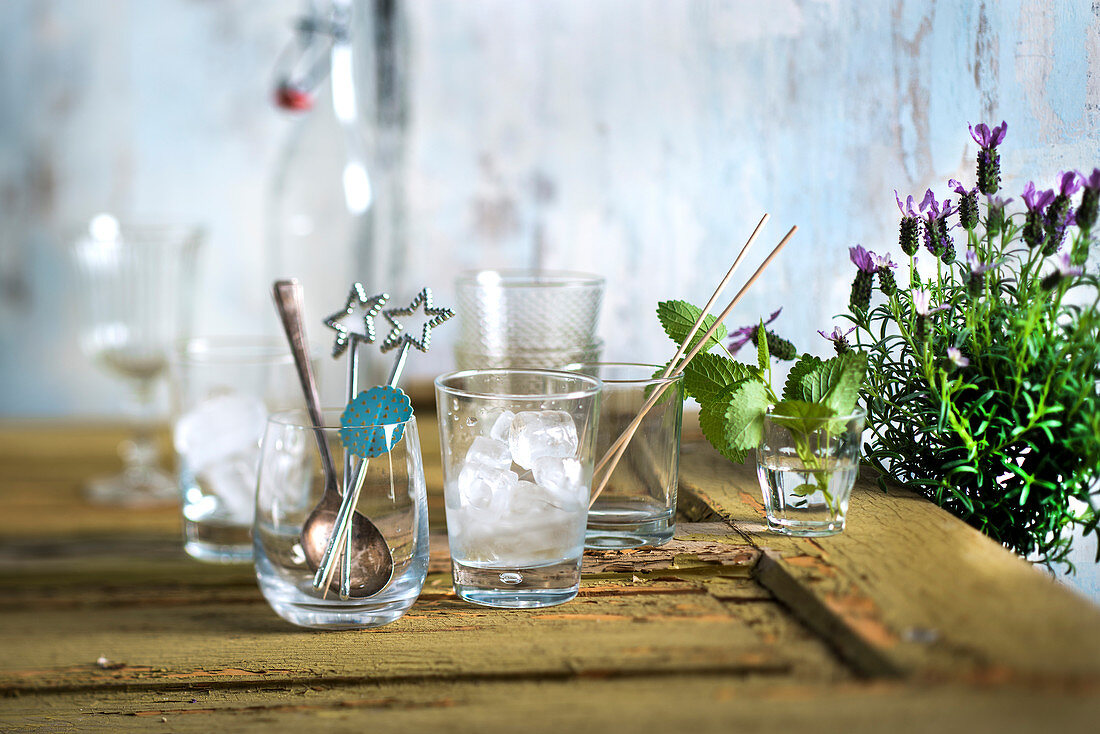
638, 139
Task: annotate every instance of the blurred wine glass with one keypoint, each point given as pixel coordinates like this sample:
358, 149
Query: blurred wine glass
136, 301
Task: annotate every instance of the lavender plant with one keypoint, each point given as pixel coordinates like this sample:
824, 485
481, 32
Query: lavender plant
982, 372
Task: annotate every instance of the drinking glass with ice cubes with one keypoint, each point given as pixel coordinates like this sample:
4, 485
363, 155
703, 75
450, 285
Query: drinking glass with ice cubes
223, 390
518, 451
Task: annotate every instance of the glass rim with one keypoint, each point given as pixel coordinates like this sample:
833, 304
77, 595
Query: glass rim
142, 234
857, 413
594, 383
651, 380
231, 350
530, 278
593, 345
286, 418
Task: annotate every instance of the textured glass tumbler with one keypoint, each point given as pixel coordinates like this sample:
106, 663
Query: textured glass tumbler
291, 482
638, 504
527, 318
518, 448
806, 469
223, 389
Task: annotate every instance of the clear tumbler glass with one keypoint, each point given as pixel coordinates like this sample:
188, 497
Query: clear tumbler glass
223, 390
291, 483
527, 318
518, 448
806, 468
637, 505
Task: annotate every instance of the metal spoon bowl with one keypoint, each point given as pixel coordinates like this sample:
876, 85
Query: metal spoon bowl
371, 562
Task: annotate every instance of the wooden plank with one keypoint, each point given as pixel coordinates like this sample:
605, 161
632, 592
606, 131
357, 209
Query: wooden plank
654, 614
696, 635
909, 589
701, 704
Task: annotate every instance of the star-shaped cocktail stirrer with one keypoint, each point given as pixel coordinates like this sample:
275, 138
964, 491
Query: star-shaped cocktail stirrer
372, 424
398, 337
357, 299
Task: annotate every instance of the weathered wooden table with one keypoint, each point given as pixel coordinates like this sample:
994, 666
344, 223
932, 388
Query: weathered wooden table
909, 621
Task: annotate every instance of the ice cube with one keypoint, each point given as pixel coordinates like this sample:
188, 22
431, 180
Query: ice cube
232, 480
536, 433
562, 480
489, 452
218, 428
527, 499
479, 484
498, 428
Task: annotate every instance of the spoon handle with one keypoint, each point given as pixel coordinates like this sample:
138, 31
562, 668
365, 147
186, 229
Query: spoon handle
288, 301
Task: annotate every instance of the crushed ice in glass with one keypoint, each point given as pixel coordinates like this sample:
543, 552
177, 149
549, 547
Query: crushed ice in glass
497, 518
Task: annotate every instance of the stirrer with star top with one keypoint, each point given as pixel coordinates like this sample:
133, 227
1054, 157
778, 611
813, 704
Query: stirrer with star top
373, 421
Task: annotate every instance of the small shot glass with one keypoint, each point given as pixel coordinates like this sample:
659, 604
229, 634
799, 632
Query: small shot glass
806, 470
518, 448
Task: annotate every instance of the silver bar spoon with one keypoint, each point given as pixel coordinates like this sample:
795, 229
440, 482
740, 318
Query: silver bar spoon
370, 561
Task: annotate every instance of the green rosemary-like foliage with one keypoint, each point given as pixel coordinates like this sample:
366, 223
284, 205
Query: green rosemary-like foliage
982, 377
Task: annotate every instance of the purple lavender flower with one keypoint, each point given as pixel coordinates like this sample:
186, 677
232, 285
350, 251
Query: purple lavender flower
906, 209
1063, 268
968, 204
1034, 223
1070, 182
921, 301
955, 355
864, 282
882, 262
1035, 200
995, 214
989, 160
909, 230
921, 304
978, 267
956, 186
1059, 215
839, 338
1063, 264
975, 284
742, 336
987, 138
936, 238
1090, 203
862, 259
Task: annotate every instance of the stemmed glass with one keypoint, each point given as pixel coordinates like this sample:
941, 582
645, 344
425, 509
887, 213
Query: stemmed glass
137, 293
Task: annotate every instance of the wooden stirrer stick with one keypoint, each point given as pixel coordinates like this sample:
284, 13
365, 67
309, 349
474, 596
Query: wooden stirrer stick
617, 453
624, 436
714, 296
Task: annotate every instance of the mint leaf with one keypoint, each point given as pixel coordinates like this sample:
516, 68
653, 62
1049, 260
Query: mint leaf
709, 375
805, 418
834, 383
844, 391
793, 388
712, 419
802, 416
762, 355
677, 318
745, 410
